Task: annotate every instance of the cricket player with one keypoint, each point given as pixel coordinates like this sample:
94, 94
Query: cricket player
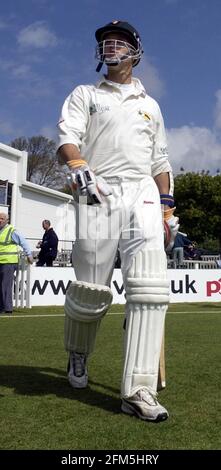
112, 138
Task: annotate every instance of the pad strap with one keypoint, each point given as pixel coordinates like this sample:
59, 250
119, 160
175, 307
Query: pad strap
147, 290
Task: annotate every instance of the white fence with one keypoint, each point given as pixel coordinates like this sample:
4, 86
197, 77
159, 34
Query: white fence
22, 284
199, 264
206, 262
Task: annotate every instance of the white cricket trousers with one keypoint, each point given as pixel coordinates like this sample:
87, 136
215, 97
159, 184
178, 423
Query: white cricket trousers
130, 218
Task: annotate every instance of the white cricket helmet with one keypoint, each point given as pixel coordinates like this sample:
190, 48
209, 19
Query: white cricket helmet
109, 51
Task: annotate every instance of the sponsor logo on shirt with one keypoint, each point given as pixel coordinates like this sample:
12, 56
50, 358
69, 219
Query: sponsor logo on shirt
163, 151
145, 115
98, 108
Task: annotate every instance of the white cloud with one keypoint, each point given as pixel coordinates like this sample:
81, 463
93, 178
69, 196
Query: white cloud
194, 149
37, 35
149, 76
33, 87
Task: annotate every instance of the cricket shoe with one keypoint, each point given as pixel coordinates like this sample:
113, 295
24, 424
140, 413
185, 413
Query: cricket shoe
77, 370
144, 405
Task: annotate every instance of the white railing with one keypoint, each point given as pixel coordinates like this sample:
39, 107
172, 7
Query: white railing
198, 264
22, 283
63, 258
206, 262
210, 257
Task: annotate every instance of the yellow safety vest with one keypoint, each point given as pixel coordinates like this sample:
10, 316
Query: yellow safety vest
8, 248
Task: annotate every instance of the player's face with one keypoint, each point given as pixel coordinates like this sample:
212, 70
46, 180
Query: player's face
116, 48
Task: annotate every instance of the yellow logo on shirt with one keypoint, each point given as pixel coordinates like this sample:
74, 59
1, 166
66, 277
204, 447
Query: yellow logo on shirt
145, 115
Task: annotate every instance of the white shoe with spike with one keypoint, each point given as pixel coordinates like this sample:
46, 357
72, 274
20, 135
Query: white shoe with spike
144, 405
77, 370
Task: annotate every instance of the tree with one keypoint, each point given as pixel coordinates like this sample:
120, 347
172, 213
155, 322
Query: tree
198, 205
43, 166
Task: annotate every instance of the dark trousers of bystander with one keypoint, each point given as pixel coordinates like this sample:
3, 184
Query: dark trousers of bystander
46, 259
6, 284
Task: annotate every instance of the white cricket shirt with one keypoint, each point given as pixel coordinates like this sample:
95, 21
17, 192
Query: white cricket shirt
118, 129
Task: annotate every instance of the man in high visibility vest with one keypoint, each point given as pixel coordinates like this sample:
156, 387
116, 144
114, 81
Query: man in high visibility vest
10, 240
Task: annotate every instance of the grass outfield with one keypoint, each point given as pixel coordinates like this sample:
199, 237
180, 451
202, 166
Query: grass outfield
39, 409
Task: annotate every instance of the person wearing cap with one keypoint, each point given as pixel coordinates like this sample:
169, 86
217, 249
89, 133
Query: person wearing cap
112, 138
10, 240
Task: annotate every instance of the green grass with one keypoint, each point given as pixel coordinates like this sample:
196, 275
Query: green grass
39, 409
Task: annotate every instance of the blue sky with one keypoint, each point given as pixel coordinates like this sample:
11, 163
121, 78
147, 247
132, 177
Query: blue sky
47, 48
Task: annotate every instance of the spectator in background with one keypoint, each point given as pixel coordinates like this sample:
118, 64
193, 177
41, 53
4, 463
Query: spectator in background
48, 245
180, 247
10, 240
192, 252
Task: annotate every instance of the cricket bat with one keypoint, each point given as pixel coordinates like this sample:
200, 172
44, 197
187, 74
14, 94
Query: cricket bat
162, 372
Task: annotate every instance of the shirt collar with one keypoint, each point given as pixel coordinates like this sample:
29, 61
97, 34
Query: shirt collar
138, 87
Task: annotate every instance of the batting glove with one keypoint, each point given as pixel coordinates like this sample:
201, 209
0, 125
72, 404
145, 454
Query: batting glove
171, 227
85, 183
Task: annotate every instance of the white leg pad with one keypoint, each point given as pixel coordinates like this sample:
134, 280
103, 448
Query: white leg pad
147, 293
85, 305
143, 337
